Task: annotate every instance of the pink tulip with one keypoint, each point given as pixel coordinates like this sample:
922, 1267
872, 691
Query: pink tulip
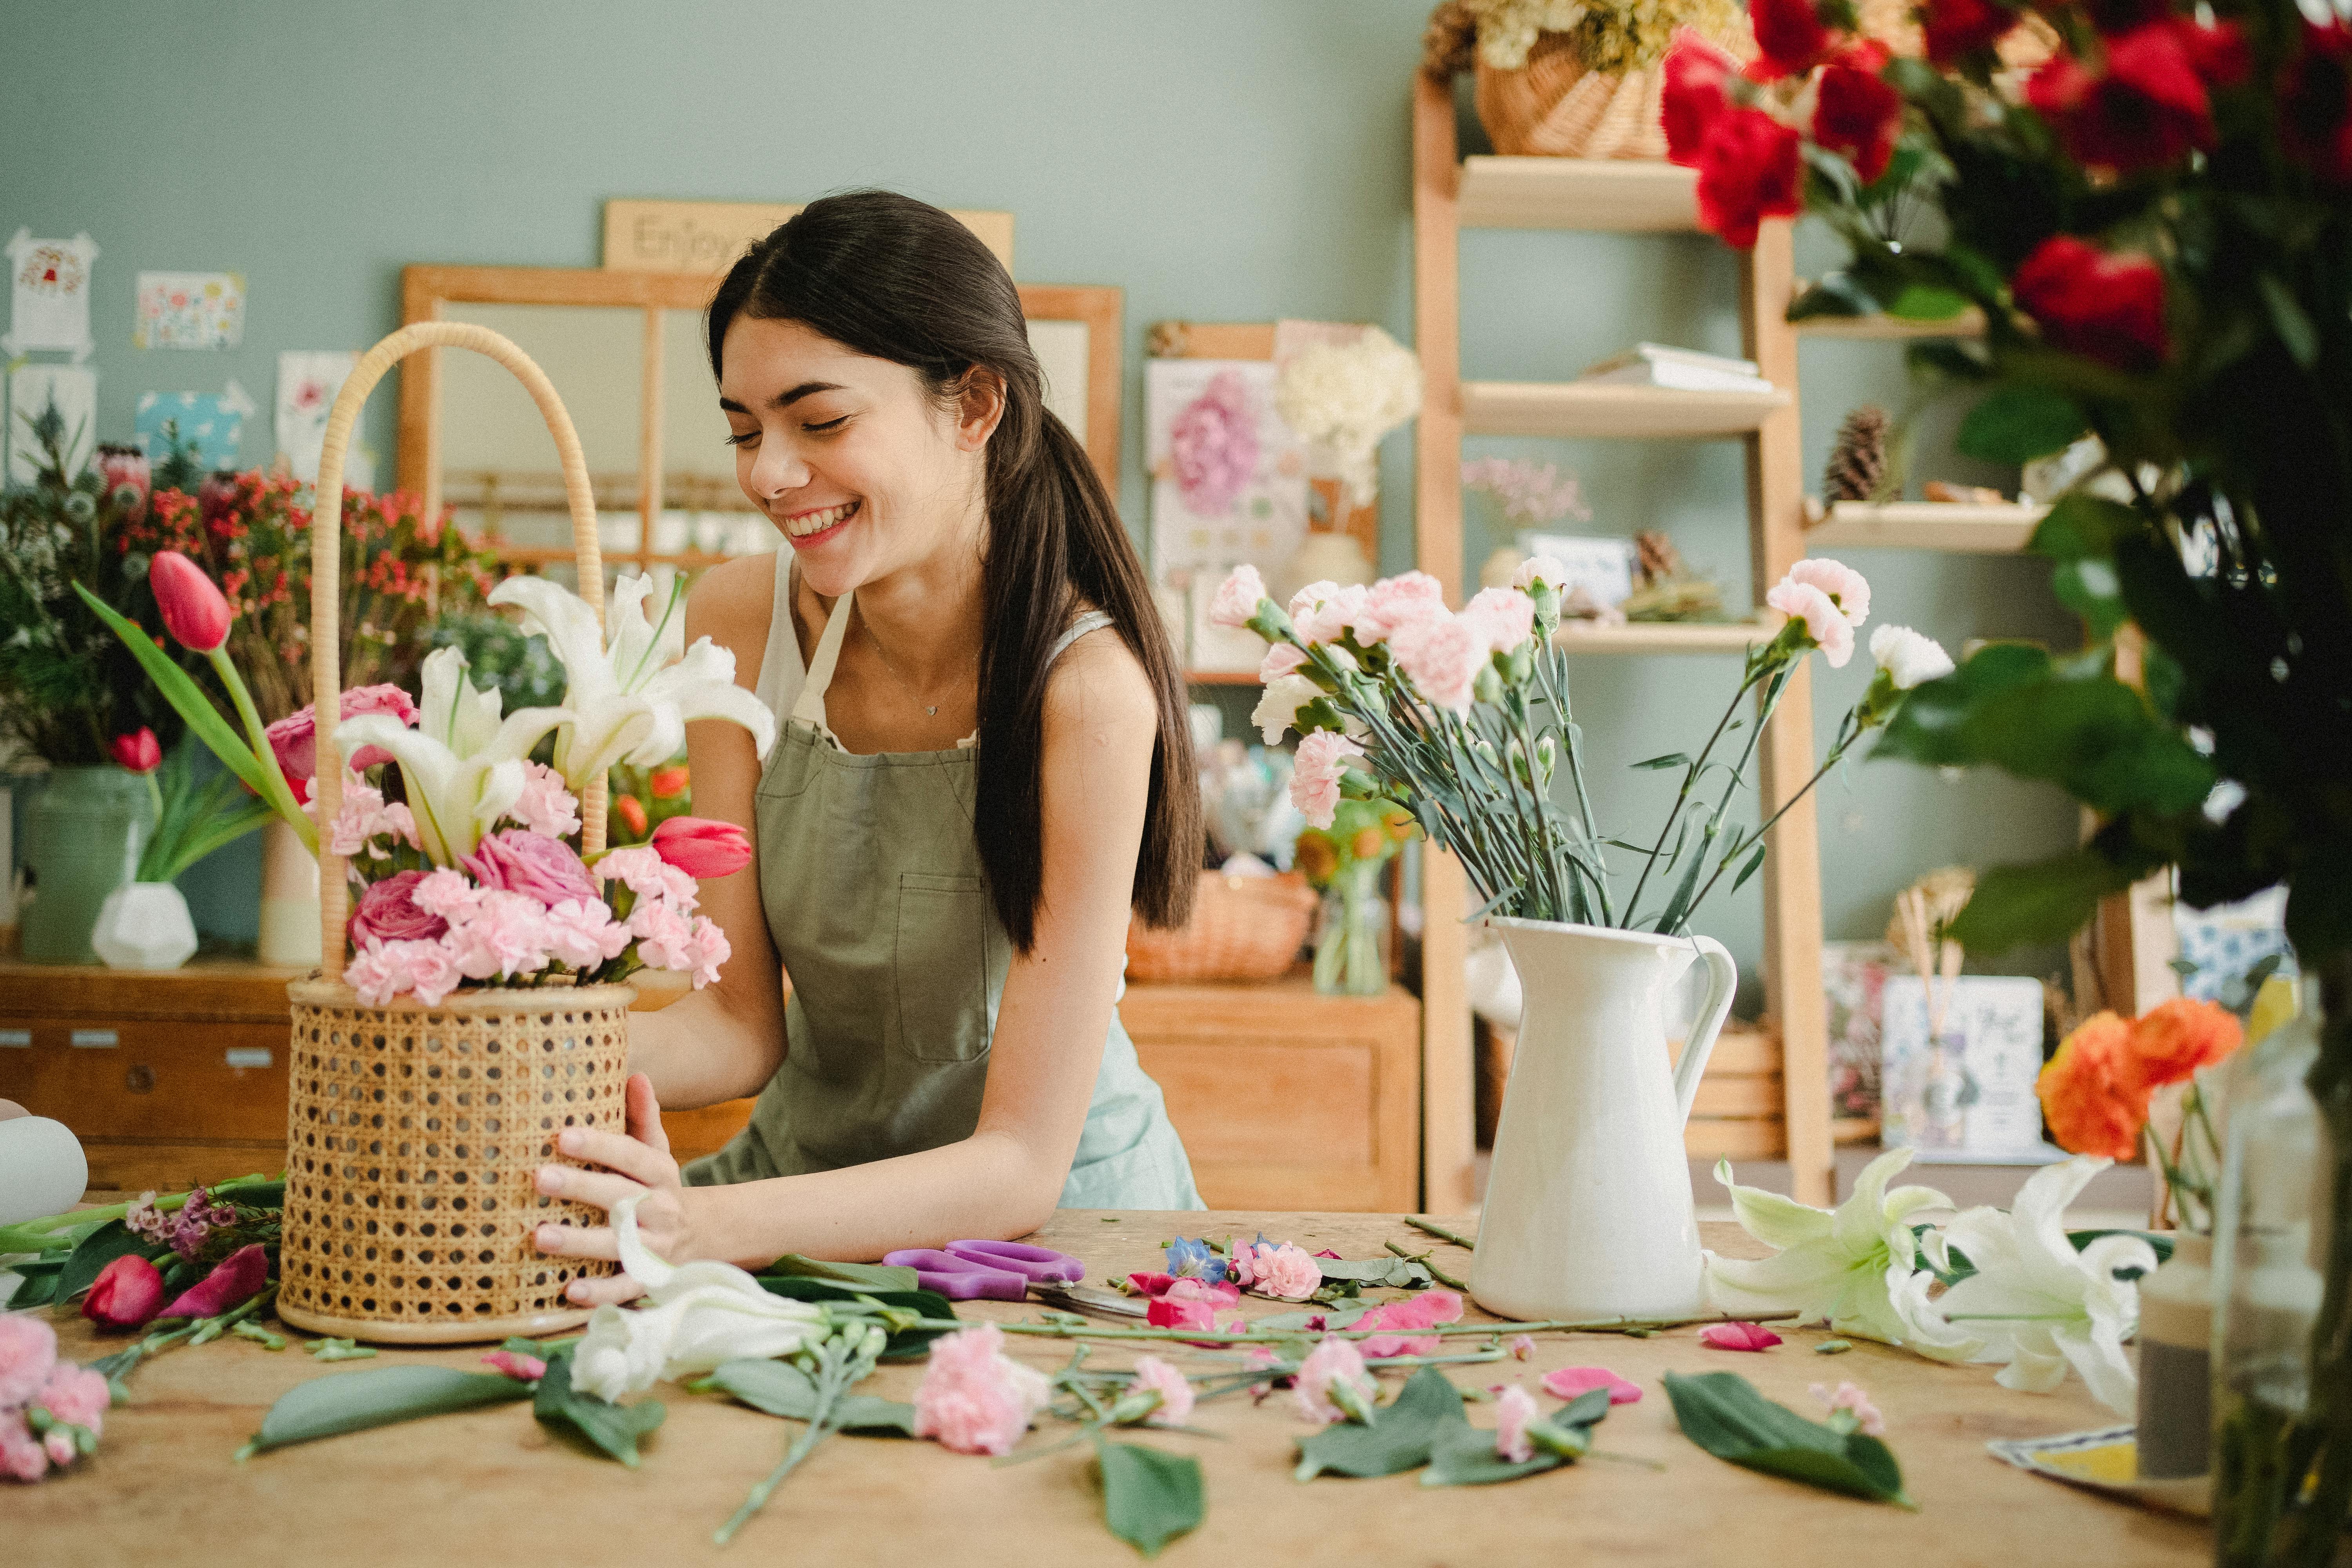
231, 1284
1572, 1380
521, 1368
194, 610
702, 848
139, 754
125, 1295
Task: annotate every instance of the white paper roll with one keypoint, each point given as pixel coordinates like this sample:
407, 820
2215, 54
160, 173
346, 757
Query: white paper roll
42, 1170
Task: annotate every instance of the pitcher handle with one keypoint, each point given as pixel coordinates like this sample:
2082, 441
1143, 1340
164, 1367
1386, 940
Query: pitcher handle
1722, 983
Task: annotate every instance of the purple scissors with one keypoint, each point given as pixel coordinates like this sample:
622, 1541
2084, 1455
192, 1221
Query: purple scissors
997, 1270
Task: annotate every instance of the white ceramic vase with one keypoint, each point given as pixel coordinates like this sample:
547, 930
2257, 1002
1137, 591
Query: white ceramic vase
144, 925
290, 899
1589, 1211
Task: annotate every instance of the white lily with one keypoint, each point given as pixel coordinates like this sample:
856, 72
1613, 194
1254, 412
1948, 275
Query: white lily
461, 767
698, 1315
2039, 1304
1859, 1270
632, 688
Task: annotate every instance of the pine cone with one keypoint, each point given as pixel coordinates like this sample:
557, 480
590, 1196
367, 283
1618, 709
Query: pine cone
1857, 463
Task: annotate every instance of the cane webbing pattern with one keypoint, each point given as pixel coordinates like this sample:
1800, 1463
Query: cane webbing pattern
412, 1136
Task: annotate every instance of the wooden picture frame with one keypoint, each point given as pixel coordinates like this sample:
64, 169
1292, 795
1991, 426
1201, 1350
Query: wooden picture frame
427, 292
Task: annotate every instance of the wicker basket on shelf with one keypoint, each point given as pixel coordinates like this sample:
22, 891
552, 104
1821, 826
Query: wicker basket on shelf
413, 1131
1242, 927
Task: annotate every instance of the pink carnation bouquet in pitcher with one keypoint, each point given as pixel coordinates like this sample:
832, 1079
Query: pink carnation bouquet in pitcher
1463, 718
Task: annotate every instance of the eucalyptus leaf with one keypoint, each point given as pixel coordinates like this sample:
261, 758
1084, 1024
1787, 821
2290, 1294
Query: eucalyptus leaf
1400, 1436
783, 1389
1148, 1498
99, 1247
1341, 1318
353, 1401
1393, 1273
611, 1429
1722, 1413
1669, 759
866, 1277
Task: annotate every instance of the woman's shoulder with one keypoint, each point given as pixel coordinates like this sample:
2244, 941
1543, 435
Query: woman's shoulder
731, 603
1097, 680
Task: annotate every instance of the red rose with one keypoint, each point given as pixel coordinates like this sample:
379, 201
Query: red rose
125, 1294
2315, 102
387, 913
2103, 307
1790, 37
1859, 115
1957, 27
1693, 95
1747, 170
2150, 108
702, 848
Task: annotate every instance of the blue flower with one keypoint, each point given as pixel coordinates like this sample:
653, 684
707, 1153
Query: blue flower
1190, 1259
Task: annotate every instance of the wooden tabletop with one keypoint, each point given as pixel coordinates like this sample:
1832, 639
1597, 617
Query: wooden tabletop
491, 1487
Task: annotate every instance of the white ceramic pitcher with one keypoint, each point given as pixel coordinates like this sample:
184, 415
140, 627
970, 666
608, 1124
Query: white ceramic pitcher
1588, 1211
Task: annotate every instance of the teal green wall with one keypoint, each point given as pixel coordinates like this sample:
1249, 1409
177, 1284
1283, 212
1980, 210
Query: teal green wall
1222, 159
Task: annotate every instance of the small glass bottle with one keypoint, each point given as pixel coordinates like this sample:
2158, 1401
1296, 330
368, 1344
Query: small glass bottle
1352, 935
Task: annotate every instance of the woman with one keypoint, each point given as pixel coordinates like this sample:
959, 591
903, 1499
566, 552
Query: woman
983, 765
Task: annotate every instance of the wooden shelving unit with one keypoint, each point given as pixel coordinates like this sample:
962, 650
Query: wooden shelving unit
1663, 637
1451, 193
1925, 525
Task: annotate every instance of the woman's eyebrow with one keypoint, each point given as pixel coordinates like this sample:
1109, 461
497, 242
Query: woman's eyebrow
787, 398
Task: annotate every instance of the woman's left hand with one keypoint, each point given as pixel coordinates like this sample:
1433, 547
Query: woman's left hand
635, 1165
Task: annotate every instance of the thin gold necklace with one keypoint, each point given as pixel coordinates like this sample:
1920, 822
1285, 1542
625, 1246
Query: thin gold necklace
931, 709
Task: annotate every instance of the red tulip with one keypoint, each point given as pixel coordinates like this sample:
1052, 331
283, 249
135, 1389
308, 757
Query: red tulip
1748, 169
2316, 103
139, 754
632, 813
1857, 114
2105, 308
702, 848
668, 783
125, 1294
194, 610
1694, 97
230, 1284
1790, 37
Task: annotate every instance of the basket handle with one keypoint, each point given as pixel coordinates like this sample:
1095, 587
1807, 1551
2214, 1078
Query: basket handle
327, 577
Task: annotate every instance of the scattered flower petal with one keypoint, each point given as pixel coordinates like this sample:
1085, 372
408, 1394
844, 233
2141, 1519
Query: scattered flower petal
1570, 1380
1738, 1337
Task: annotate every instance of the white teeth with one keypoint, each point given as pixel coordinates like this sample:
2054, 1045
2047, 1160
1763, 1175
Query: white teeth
818, 521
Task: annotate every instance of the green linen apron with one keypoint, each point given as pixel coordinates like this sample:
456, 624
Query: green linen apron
878, 903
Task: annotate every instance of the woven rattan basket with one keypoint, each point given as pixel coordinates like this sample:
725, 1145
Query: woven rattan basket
1242, 927
414, 1131
1559, 107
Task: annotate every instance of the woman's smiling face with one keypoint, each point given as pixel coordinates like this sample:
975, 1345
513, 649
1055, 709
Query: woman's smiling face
850, 456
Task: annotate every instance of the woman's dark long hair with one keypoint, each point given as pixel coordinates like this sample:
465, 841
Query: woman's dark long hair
887, 275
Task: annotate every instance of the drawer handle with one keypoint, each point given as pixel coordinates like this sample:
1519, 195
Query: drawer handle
22, 1039
248, 1056
96, 1039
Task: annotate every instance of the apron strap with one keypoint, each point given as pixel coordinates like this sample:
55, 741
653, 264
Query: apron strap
810, 708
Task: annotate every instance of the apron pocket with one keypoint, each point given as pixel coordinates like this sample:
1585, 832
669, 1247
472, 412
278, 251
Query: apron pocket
942, 967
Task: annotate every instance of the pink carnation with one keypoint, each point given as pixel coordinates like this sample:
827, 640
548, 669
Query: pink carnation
363, 816
1175, 1394
707, 950
1334, 1362
21, 1455
1334, 617
507, 935
1281, 659
1545, 569
1848, 588
1306, 598
295, 739
1286, 1272
1315, 778
1394, 603
1830, 631
1570, 1380
515, 1364
1514, 1408
664, 938
1213, 448
77, 1394
1237, 598
545, 806
1849, 1397
1442, 656
428, 970
974, 1398
1506, 616
446, 893
583, 933
28, 1349
641, 869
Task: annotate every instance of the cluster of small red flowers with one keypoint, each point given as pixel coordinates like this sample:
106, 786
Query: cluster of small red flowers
172, 521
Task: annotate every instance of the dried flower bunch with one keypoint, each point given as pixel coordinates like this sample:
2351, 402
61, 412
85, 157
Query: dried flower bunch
1341, 398
1607, 35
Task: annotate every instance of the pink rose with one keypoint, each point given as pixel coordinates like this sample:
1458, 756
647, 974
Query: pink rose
1848, 588
1514, 1408
582, 932
1156, 1376
531, 864
295, 739
1830, 631
1315, 778
974, 1398
545, 806
388, 912
1237, 598
1570, 1380
1394, 603
1281, 659
1443, 657
28, 1349
1335, 1367
80, 1396
21, 1455
1507, 616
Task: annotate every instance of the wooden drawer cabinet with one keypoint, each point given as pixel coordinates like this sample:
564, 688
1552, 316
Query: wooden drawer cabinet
1285, 1099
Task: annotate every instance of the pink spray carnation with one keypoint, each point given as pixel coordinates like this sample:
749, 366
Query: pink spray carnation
427, 970
387, 913
706, 949
1393, 603
448, 894
1514, 1408
28, 1349
1334, 617
664, 938
1175, 1394
1443, 656
80, 1396
506, 936
1827, 624
1848, 588
1285, 1271
295, 738
1213, 448
1315, 778
643, 871
1570, 1380
1506, 616
1544, 569
1332, 1362
974, 1398
1283, 658
1237, 597
1851, 1398
1522, 1346
583, 933
539, 867
22, 1457
362, 818
545, 806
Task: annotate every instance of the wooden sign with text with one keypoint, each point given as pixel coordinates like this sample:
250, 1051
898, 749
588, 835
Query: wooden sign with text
706, 236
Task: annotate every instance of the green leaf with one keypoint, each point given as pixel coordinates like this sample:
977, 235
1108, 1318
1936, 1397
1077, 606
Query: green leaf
867, 1277
36, 1283
1340, 1317
353, 1401
99, 1247
1393, 1273
904, 1345
2048, 901
1755, 864
1836, 296
1466, 1457
783, 1389
1923, 302
2097, 737
611, 1429
2018, 424
186, 698
1928, 727
1398, 1436
1722, 1413
1943, 359
2286, 312
1148, 1498
1671, 760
